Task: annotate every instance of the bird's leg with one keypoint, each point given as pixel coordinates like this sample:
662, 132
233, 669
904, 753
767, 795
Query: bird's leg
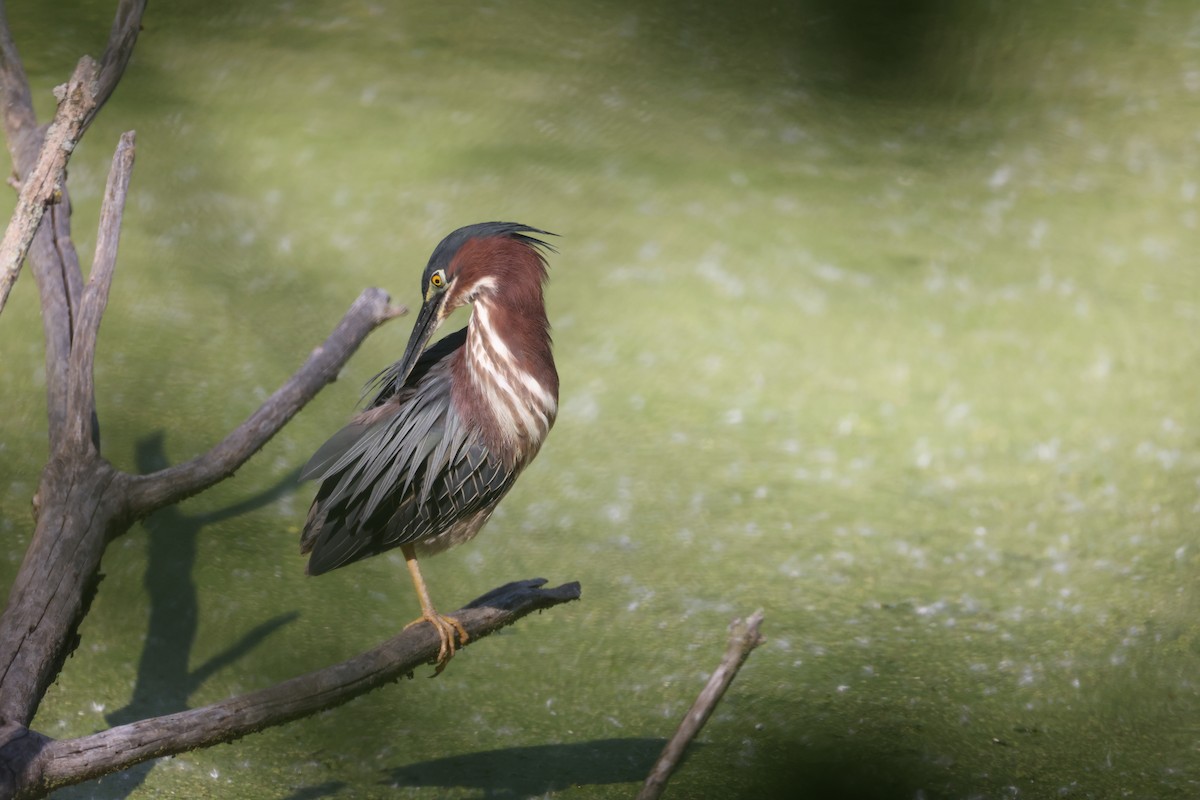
445, 626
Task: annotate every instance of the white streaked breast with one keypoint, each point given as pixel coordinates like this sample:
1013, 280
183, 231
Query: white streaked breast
523, 407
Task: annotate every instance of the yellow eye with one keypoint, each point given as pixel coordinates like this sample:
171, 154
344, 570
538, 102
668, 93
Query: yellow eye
437, 281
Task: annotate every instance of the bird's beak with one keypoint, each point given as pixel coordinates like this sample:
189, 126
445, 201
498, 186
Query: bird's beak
428, 320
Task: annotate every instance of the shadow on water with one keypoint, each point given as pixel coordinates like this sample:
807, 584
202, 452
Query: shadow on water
842, 50
889, 755
164, 682
535, 770
835, 769
883, 41
328, 789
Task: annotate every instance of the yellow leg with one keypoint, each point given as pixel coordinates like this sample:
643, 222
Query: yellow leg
444, 626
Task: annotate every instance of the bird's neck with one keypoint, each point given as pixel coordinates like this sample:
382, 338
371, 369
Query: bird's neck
511, 386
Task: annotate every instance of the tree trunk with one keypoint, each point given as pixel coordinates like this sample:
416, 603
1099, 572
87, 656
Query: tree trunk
56, 581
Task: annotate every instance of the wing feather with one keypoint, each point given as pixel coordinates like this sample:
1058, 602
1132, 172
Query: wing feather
408, 470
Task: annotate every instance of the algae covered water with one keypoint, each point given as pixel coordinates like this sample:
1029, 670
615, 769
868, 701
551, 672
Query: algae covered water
883, 319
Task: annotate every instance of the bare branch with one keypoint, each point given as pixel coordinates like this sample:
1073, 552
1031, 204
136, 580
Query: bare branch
742, 639
60, 763
121, 38
150, 492
52, 255
44, 185
80, 398
19, 119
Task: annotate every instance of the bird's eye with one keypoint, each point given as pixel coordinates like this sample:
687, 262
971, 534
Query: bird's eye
437, 280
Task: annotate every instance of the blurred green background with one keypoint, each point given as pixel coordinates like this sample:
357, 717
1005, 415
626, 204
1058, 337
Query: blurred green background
882, 316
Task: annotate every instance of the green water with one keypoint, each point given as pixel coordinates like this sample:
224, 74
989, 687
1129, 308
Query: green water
886, 323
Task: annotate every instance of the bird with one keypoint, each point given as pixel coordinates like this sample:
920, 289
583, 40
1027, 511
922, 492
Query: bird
451, 425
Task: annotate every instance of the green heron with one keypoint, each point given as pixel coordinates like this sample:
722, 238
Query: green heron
450, 427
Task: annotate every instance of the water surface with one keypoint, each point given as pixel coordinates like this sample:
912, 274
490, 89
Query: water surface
886, 323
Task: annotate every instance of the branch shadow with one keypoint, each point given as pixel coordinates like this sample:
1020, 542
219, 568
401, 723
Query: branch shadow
164, 682
535, 770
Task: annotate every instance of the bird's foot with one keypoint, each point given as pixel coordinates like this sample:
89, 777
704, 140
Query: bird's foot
446, 628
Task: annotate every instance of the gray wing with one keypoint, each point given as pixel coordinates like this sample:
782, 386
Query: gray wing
387, 384
409, 469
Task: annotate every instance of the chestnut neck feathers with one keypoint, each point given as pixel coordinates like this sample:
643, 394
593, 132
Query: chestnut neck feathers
505, 384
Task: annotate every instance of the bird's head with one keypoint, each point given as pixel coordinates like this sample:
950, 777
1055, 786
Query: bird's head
498, 261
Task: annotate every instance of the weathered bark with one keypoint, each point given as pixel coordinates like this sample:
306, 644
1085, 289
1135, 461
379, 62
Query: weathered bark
85, 503
43, 186
52, 589
47, 764
743, 637
56, 580
80, 421
52, 254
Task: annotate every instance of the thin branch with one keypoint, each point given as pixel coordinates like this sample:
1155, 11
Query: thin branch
70, 761
158, 489
743, 637
80, 398
19, 119
121, 38
44, 185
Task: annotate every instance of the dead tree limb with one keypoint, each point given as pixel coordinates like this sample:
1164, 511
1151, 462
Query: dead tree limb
20, 123
68, 761
87, 503
127, 24
150, 492
52, 255
743, 637
83, 501
81, 407
44, 185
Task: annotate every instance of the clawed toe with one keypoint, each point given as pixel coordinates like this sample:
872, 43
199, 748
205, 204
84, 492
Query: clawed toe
446, 628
